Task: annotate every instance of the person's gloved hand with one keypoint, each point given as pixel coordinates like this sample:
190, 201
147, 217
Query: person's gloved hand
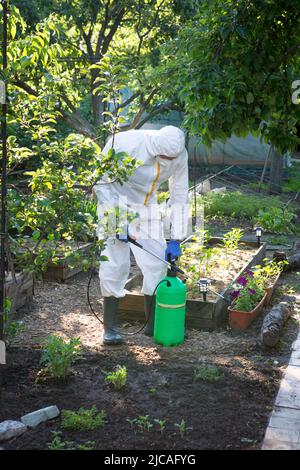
173, 251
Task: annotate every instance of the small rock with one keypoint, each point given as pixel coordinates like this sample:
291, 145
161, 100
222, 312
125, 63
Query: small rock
37, 417
9, 429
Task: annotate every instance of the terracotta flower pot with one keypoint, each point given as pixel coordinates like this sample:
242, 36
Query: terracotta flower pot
270, 290
240, 320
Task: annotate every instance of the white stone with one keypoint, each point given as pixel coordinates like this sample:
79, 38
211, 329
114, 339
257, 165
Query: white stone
9, 429
38, 416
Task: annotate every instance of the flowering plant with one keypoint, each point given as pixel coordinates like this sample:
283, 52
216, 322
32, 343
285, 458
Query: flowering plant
247, 292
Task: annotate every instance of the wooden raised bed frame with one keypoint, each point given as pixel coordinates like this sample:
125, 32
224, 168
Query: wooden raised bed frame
60, 272
21, 291
200, 315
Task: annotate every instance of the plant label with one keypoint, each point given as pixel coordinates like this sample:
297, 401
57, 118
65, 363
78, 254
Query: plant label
2, 352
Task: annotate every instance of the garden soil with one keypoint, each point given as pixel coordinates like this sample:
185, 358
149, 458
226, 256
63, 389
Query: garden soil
231, 413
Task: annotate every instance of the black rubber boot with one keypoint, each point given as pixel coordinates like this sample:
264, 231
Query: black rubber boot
149, 301
110, 335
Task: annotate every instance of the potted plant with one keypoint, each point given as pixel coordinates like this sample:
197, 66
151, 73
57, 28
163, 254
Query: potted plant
248, 297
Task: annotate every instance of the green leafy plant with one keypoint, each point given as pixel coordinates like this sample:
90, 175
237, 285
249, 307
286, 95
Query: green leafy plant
143, 423
208, 373
231, 239
58, 444
266, 275
276, 220
117, 378
161, 423
14, 328
182, 427
59, 354
83, 419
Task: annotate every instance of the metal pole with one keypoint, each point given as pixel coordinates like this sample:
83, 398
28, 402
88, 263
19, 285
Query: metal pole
3, 175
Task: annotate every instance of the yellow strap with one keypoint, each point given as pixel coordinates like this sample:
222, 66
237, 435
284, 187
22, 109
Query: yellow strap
153, 185
170, 306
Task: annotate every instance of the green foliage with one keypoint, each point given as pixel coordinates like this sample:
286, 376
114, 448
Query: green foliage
162, 424
14, 328
163, 196
276, 220
182, 427
231, 239
58, 355
117, 378
83, 419
208, 373
265, 275
143, 423
237, 205
233, 69
292, 184
58, 444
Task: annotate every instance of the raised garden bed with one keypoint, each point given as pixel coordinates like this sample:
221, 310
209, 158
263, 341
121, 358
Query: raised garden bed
20, 290
200, 314
61, 271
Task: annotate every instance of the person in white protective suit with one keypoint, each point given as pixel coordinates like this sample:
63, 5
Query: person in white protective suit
162, 156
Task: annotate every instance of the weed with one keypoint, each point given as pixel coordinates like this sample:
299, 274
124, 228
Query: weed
117, 378
83, 419
208, 373
59, 355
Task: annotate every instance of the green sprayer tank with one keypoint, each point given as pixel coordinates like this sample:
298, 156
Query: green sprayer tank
170, 309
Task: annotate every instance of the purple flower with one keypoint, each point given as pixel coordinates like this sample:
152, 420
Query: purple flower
250, 273
234, 294
242, 280
252, 291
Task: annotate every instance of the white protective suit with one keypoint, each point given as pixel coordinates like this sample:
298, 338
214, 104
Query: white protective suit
138, 193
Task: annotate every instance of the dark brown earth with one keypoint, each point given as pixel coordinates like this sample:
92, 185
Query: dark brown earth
231, 413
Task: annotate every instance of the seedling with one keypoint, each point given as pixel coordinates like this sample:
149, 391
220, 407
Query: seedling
182, 428
208, 373
161, 423
58, 444
143, 423
59, 355
117, 378
83, 419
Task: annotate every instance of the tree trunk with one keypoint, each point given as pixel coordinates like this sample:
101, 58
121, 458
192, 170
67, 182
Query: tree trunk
276, 172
